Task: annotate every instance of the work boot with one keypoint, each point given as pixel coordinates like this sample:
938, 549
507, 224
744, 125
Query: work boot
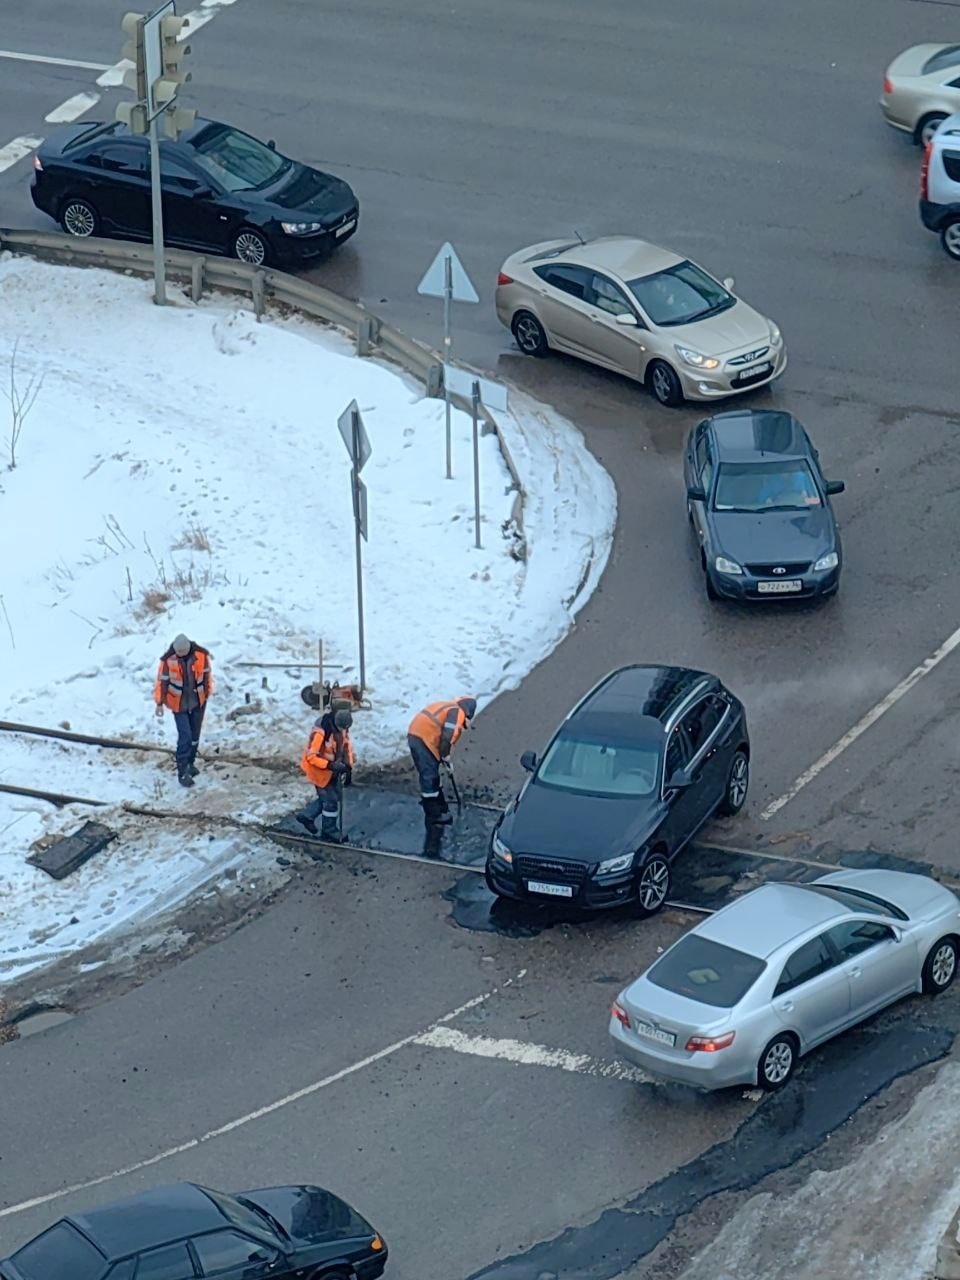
307, 823
434, 812
432, 840
192, 770
185, 779
330, 830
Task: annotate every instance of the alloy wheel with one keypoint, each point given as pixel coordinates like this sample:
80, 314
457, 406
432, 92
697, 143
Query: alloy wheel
929, 129
662, 386
251, 249
777, 1062
951, 239
943, 965
737, 787
79, 220
528, 335
653, 885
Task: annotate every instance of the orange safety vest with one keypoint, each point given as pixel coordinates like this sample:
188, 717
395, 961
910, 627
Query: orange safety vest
168, 690
326, 744
438, 727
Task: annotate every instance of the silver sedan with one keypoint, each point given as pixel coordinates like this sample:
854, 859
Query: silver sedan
741, 997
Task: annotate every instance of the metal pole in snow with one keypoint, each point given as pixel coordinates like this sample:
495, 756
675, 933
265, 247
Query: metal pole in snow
475, 407
355, 479
447, 351
159, 277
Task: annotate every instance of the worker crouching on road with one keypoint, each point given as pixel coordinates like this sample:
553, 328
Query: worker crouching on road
433, 731
184, 683
328, 762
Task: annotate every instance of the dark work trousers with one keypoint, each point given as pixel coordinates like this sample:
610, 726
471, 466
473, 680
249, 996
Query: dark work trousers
188, 736
427, 766
327, 803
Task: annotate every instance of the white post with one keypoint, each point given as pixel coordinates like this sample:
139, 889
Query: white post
159, 277
475, 407
447, 349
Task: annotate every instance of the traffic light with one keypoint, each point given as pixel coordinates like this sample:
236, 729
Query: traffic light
173, 50
134, 114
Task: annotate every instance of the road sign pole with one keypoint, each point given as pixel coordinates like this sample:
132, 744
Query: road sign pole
159, 273
447, 351
355, 480
475, 408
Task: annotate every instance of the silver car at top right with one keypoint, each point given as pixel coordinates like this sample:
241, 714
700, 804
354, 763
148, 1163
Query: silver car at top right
751, 989
921, 88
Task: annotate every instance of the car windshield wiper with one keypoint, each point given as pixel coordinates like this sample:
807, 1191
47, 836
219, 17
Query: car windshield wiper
267, 1217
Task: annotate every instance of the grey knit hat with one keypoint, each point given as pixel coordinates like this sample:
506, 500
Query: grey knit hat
181, 645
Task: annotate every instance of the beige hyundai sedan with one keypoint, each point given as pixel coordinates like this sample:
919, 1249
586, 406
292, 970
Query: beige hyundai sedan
921, 88
640, 310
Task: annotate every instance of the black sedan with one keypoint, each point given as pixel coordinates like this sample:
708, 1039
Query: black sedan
634, 771
222, 192
760, 507
184, 1231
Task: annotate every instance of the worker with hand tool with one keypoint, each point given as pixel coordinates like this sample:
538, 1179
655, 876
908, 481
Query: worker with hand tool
328, 762
432, 733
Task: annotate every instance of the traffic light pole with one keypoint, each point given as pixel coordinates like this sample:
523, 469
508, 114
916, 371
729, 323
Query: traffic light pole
159, 267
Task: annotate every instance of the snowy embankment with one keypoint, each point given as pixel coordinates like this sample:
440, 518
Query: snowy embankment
180, 469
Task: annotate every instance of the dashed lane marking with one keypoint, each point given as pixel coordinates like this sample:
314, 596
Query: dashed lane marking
863, 724
17, 150
530, 1055
52, 62
72, 109
260, 1112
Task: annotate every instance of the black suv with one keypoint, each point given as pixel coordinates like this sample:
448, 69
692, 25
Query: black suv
634, 771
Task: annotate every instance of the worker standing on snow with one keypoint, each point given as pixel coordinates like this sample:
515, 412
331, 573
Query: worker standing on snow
433, 731
184, 683
328, 762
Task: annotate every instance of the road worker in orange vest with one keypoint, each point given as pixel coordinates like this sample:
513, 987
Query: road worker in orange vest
184, 683
432, 733
328, 762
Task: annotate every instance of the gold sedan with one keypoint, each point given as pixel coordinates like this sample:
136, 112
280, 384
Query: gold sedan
921, 88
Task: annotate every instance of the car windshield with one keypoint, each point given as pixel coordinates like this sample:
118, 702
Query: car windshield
237, 161
579, 761
945, 60
706, 971
680, 294
765, 486
241, 1213
857, 900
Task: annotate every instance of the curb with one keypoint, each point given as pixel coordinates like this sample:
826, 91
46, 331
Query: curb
948, 1252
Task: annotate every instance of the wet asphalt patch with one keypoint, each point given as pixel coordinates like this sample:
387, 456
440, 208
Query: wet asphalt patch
828, 1090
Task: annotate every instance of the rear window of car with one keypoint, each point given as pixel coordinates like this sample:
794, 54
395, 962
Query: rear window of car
707, 971
951, 165
61, 1253
943, 61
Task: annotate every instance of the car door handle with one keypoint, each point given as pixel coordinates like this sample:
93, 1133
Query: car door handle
786, 1006
855, 973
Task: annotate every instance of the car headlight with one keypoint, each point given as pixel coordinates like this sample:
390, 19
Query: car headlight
723, 565
776, 337
301, 228
500, 850
829, 561
697, 358
611, 866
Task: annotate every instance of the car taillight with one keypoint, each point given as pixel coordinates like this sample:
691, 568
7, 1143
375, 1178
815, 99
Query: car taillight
887, 86
37, 164
925, 171
617, 1011
710, 1044
504, 279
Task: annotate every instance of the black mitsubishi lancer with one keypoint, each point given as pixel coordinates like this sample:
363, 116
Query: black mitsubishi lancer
222, 191
634, 771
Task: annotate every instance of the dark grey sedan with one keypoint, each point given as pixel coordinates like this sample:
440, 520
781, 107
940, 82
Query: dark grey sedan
760, 507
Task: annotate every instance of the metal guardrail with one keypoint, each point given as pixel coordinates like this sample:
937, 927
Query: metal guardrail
265, 285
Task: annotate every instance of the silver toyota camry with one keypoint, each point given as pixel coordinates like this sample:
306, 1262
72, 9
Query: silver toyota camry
741, 997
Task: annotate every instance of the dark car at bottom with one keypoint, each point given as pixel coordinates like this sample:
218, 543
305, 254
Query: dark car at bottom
222, 191
634, 771
760, 507
186, 1232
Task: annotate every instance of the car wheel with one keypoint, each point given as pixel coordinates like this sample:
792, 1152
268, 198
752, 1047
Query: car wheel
777, 1063
712, 592
331, 1275
653, 885
665, 385
927, 127
251, 247
950, 238
489, 880
738, 783
79, 218
529, 334
940, 966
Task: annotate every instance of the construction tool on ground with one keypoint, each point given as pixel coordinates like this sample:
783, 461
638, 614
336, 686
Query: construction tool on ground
453, 783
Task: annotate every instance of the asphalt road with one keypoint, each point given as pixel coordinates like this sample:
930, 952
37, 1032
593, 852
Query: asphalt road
752, 141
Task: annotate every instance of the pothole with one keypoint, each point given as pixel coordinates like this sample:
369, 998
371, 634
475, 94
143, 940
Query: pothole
37, 1018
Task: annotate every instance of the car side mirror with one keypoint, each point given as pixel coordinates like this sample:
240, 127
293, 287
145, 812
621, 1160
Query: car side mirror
696, 493
835, 486
627, 319
897, 933
272, 145
679, 780
728, 283
528, 761
202, 193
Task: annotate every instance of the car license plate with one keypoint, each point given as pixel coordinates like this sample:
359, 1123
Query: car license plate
779, 588
552, 890
655, 1033
755, 371
347, 226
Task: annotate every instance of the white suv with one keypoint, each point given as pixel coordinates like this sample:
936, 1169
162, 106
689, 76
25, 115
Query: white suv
940, 185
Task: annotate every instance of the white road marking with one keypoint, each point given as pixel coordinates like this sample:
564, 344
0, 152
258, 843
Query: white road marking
17, 150
260, 1112
113, 76
862, 725
52, 62
529, 1055
72, 108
